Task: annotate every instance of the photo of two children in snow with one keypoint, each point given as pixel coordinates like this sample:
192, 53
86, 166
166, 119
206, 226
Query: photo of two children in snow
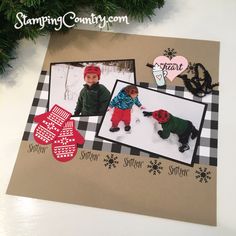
152, 121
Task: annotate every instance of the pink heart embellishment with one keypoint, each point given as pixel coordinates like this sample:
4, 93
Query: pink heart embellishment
174, 67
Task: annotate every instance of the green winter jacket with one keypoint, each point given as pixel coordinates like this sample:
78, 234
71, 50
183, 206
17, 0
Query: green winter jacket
173, 125
92, 100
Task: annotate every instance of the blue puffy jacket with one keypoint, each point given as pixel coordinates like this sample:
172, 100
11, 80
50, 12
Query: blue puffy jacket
124, 101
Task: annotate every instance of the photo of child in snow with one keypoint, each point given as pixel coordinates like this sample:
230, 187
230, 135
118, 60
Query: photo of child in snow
153, 122
171, 124
84, 88
94, 97
122, 105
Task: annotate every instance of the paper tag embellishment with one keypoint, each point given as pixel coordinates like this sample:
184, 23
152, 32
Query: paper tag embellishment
174, 66
64, 148
50, 124
159, 74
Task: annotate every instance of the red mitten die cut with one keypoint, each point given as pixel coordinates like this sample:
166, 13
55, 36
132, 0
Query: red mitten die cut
64, 147
50, 124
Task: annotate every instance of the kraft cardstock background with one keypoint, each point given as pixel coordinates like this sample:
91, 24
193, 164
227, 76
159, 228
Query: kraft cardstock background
88, 182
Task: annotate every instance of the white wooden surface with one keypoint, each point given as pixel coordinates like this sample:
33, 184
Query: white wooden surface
202, 19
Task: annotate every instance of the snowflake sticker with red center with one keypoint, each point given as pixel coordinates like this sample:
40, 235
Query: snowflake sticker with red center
64, 141
50, 126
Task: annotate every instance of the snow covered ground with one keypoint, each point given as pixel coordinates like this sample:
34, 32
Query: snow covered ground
143, 133
67, 82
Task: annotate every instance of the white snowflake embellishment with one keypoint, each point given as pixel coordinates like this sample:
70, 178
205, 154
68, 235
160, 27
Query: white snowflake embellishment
50, 126
64, 141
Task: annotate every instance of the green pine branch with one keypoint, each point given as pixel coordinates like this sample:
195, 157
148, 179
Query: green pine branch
9, 36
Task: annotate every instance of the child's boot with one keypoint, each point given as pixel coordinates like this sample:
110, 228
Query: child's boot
114, 129
127, 128
184, 148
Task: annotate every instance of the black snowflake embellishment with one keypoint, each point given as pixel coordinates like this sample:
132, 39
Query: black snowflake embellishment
170, 53
111, 161
191, 68
154, 167
203, 175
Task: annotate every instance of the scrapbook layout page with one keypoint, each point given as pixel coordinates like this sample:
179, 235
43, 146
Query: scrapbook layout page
126, 122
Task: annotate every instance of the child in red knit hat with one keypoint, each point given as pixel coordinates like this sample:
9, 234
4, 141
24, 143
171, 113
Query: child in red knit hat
122, 104
94, 97
171, 124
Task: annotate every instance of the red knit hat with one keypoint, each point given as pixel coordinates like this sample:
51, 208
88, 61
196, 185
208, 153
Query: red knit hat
161, 116
93, 70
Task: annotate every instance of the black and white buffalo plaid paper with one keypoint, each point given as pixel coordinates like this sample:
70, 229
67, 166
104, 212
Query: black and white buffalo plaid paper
88, 126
